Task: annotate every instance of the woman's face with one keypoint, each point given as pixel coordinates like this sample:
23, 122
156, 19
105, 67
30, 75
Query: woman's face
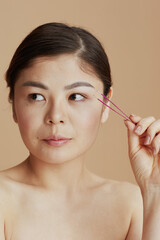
52, 98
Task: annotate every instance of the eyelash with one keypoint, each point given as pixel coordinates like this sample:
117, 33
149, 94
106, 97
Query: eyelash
84, 97
31, 97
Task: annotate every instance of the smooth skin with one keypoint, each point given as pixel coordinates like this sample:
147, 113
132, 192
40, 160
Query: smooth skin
51, 195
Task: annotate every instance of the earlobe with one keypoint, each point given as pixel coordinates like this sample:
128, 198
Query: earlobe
104, 115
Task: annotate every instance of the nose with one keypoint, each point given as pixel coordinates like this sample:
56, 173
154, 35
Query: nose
56, 113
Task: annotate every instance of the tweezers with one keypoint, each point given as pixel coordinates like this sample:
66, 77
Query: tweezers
122, 114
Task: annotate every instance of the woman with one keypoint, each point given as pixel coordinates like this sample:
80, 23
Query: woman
53, 78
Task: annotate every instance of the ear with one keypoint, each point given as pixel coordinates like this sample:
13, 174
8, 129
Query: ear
105, 110
14, 113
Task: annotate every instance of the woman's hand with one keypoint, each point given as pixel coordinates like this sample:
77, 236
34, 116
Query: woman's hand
144, 150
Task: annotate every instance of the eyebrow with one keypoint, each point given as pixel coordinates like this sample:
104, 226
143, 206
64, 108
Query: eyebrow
78, 84
34, 84
41, 85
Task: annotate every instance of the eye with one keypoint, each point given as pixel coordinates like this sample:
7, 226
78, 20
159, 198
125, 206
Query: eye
77, 97
36, 97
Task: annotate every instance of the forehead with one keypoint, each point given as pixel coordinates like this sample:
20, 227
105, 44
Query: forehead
61, 69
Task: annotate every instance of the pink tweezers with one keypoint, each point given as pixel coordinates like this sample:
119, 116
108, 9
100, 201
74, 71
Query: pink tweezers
122, 115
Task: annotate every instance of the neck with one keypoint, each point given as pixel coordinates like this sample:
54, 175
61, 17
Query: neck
64, 177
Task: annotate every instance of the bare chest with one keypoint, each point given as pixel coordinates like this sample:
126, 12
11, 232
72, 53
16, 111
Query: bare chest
54, 219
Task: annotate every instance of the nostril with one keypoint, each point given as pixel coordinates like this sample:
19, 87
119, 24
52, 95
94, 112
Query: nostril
50, 121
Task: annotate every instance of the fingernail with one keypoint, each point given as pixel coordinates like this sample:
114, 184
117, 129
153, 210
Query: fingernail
132, 115
138, 129
147, 140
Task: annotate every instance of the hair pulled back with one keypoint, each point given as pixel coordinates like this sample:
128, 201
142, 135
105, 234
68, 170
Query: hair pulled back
53, 39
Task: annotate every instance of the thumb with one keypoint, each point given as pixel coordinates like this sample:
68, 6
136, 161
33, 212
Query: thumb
133, 138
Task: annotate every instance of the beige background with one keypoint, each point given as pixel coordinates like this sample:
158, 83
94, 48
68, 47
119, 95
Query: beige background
130, 32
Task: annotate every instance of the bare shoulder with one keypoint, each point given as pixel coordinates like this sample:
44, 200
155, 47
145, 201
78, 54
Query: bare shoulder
14, 174
10, 190
7, 203
3, 200
128, 191
8, 180
122, 193
119, 187
4, 203
3, 184
127, 200
2, 192
4, 188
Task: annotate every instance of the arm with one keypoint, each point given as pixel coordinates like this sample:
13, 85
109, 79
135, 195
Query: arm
144, 153
151, 222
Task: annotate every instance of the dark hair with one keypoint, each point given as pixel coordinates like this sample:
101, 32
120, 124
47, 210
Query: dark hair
52, 39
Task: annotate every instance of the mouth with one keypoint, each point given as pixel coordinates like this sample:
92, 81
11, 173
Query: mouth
56, 140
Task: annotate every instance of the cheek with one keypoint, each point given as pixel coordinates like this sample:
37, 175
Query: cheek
27, 121
88, 120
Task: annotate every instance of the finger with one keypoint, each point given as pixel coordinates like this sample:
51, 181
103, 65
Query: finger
135, 118
143, 124
152, 131
156, 145
133, 138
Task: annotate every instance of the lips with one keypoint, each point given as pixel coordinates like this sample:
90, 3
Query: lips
56, 140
